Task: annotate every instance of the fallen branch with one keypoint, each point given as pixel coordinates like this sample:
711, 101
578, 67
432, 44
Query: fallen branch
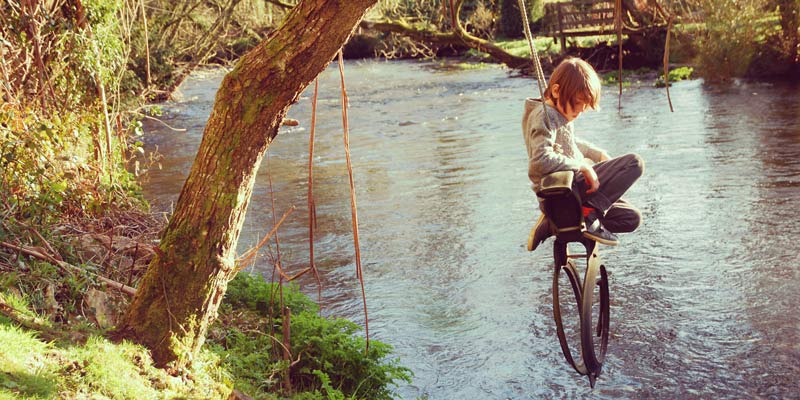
457, 37
67, 267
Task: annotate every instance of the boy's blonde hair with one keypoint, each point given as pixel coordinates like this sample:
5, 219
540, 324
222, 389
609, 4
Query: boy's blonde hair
575, 78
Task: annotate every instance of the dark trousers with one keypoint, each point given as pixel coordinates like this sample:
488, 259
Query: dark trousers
616, 176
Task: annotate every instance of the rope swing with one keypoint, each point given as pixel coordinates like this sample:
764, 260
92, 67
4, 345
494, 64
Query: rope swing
537, 64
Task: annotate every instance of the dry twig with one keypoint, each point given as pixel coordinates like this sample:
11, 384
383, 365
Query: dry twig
69, 267
346, 129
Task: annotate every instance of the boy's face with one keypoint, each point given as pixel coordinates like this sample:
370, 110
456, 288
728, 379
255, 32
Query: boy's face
571, 108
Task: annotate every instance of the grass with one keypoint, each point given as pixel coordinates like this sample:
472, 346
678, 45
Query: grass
520, 48
677, 74
31, 368
24, 369
546, 45
78, 362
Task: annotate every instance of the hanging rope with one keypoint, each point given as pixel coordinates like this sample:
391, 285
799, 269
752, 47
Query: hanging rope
537, 64
618, 27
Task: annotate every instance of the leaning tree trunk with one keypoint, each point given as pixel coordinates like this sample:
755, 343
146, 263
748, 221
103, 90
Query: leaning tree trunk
184, 285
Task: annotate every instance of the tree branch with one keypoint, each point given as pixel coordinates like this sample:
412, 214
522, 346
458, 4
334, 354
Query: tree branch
281, 4
458, 37
65, 266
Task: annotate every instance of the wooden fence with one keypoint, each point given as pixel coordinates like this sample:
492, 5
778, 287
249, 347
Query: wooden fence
578, 18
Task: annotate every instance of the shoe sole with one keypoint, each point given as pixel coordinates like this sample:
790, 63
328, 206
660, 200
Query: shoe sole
600, 240
530, 246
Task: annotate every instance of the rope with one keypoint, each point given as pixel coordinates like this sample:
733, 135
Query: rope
537, 64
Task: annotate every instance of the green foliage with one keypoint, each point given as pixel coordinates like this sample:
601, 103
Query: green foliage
331, 346
612, 77
54, 144
75, 59
32, 368
510, 20
253, 292
732, 34
329, 355
680, 74
46, 290
677, 74
520, 48
48, 167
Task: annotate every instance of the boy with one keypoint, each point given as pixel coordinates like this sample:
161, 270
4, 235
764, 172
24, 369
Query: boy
552, 146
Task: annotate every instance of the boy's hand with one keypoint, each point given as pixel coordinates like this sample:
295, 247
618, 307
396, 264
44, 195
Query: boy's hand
591, 178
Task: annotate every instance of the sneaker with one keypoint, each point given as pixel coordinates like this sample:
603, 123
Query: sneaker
597, 232
540, 232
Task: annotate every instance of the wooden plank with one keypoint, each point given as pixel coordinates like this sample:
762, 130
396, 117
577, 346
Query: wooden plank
585, 2
579, 18
609, 31
593, 21
590, 12
578, 24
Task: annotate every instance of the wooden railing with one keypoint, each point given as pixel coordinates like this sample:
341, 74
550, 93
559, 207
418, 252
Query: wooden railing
578, 18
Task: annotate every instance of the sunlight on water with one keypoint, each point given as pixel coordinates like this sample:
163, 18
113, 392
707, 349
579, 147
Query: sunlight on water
704, 295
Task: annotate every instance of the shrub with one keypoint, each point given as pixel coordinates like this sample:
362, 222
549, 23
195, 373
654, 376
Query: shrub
677, 74
329, 354
730, 39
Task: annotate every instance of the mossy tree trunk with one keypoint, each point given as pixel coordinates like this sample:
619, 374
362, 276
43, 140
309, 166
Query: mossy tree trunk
179, 295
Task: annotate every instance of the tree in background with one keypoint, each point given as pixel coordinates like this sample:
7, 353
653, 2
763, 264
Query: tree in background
510, 20
789, 11
171, 39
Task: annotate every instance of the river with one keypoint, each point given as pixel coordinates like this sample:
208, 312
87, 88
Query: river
704, 296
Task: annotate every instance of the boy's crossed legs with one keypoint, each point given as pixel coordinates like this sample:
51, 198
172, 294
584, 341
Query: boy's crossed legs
615, 215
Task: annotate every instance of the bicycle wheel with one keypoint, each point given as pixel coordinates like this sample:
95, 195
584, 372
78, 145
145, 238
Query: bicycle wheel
575, 283
593, 358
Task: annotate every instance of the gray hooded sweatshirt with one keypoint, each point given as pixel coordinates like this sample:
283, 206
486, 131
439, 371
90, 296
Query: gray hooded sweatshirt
554, 149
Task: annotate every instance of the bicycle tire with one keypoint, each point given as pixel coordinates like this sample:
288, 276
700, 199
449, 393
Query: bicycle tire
592, 360
575, 282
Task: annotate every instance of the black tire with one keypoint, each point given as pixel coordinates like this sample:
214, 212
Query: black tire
575, 282
593, 359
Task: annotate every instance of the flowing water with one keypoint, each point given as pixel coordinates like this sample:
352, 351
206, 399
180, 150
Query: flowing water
704, 295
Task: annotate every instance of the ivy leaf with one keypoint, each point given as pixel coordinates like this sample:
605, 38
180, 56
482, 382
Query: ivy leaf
58, 187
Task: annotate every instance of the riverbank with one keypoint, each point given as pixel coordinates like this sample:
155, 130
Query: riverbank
46, 359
